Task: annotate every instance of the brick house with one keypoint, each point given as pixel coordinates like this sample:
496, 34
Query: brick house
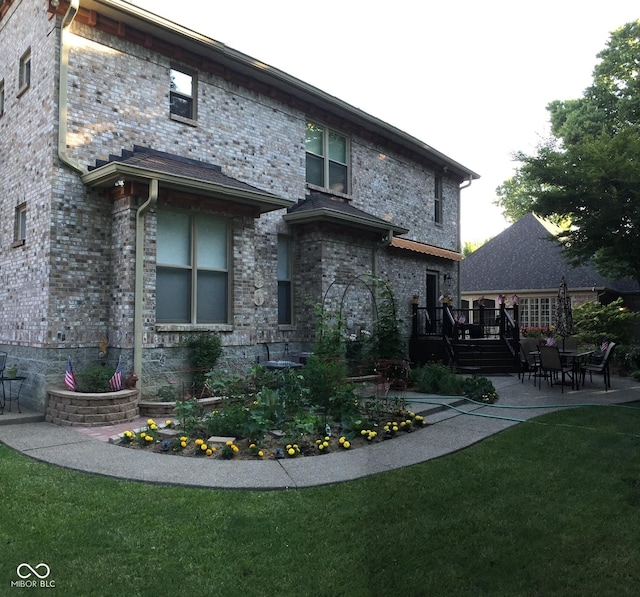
522, 260
156, 183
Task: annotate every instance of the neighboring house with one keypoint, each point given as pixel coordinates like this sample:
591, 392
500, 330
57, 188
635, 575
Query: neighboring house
157, 183
524, 260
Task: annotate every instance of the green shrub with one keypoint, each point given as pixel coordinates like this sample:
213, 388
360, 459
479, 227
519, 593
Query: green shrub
204, 350
230, 421
94, 379
436, 378
480, 389
168, 394
593, 321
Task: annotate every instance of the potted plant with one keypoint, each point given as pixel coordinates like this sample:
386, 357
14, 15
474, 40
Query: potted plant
12, 371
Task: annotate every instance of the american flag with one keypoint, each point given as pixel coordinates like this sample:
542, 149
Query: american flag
115, 383
604, 346
69, 377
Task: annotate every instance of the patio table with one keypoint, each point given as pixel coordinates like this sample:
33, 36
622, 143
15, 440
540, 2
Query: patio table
576, 357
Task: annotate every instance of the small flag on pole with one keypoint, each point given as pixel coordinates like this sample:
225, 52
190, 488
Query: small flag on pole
115, 383
69, 377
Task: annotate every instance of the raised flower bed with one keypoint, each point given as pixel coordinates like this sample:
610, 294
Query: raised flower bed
81, 409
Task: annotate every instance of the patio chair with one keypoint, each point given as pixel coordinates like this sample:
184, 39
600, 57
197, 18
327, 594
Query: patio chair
529, 362
551, 363
599, 365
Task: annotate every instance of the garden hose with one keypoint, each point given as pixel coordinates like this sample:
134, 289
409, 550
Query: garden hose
507, 406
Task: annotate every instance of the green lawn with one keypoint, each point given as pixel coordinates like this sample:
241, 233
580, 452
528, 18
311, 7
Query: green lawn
541, 509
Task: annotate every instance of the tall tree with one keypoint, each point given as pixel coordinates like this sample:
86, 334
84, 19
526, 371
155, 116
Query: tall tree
589, 169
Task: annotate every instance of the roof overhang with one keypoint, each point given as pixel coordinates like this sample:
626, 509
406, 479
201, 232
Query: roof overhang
326, 214
412, 245
123, 16
111, 174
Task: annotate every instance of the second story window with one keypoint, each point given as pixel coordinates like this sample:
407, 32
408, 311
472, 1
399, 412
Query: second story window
20, 225
24, 75
437, 200
182, 95
1, 97
327, 158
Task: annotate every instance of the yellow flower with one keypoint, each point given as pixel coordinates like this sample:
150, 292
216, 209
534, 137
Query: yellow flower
342, 440
235, 448
184, 438
153, 427
291, 452
183, 444
327, 438
395, 428
325, 444
150, 422
252, 446
213, 449
209, 452
199, 442
148, 438
168, 423
321, 446
203, 447
229, 443
363, 432
261, 453
346, 445
143, 435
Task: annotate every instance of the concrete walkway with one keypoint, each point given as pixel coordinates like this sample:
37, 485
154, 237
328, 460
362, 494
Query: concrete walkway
453, 425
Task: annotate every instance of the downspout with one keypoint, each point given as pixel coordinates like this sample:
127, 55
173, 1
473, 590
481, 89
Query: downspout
138, 321
63, 89
464, 186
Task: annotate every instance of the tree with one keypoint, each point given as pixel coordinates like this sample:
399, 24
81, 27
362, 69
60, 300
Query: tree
589, 169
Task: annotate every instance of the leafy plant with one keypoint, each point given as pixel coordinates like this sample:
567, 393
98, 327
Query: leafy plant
190, 413
94, 379
204, 350
594, 321
168, 394
436, 378
480, 389
386, 341
230, 421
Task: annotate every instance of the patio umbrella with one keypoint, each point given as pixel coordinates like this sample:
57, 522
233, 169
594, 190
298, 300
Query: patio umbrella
564, 317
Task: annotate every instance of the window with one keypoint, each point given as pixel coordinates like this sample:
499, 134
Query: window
20, 225
1, 97
437, 202
182, 95
192, 271
24, 76
327, 155
284, 279
537, 312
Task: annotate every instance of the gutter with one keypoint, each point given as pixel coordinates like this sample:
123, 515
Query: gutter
138, 321
68, 18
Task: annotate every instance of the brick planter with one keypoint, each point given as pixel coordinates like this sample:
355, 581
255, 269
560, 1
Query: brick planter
167, 410
91, 410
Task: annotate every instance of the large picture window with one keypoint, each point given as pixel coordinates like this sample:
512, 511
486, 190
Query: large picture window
192, 271
327, 158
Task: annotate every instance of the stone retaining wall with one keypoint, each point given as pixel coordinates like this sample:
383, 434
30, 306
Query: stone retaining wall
91, 410
167, 410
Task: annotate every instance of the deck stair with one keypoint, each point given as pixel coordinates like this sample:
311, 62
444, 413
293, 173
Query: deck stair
484, 356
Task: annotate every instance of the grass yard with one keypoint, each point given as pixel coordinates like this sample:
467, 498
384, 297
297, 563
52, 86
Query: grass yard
544, 508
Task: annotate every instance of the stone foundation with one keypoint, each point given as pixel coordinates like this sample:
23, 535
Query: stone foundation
91, 410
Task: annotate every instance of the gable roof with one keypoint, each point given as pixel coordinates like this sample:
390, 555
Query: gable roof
524, 257
179, 173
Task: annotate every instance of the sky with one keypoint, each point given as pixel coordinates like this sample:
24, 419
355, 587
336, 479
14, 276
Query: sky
471, 79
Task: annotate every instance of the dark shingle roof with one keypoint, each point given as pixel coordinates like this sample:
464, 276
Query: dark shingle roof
524, 257
169, 163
